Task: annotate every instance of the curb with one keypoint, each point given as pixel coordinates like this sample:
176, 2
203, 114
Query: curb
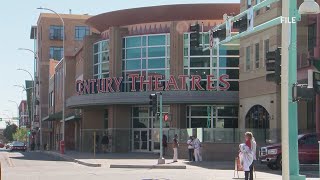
149, 166
70, 159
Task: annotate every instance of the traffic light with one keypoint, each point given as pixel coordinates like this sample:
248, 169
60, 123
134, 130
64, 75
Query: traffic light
241, 24
154, 103
220, 33
273, 64
195, 36
166, 117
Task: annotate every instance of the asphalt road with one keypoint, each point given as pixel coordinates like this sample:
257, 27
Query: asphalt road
38, 166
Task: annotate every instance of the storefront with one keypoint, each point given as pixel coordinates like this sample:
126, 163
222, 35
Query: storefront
129, 62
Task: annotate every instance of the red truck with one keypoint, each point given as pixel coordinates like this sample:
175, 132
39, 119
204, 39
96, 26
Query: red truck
308, 152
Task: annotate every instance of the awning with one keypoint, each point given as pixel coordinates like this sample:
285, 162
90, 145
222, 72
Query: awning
74, 117
53, 117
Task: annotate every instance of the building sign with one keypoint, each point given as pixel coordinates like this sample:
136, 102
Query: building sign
151, 83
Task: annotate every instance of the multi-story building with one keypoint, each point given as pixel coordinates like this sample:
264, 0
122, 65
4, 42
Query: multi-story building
259, 99
23, 114
117, 69
49, 47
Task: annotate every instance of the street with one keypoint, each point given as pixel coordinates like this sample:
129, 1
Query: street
38, 166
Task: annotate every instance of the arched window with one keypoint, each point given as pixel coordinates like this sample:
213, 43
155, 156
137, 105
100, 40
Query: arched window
257, 117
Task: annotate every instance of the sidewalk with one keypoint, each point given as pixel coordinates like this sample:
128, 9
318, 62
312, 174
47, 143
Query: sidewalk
149, 161
117, 160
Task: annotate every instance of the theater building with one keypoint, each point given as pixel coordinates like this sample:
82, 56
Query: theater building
146, 50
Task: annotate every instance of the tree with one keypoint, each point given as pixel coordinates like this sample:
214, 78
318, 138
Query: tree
9, 131
20, 135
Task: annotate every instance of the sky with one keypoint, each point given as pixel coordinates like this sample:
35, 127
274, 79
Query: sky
17, 18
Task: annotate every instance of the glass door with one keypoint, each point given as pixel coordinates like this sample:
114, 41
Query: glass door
140, 140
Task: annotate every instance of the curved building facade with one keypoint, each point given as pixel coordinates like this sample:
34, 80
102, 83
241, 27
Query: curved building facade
146, 50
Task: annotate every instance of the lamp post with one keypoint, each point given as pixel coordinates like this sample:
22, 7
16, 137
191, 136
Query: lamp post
64, 73
289, 135
33, 108
17, 110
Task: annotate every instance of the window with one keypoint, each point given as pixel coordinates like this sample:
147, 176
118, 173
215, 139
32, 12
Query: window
248, 3
268, 7
248, 58
80, 32
101, 59
145, 55
257, 60
212, 116
312, 34
226, 61
258, 11
56, 32
51, 99
257, 117
56, 53
266, 48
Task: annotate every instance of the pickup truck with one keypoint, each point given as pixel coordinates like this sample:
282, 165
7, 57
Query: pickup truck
308, 149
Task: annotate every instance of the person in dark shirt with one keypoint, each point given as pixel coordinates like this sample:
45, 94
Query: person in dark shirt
105, 143
164, 144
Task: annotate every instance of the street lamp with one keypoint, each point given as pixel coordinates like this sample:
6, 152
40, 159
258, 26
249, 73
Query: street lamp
33, 108
309, 7
64, 73
17, 109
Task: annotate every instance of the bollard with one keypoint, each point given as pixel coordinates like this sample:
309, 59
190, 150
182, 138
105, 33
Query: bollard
94, 144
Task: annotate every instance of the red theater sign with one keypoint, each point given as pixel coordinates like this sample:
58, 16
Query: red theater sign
151, 83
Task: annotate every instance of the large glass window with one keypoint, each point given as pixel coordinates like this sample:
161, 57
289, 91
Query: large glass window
266, 48
248, 58
212, 116
145, 55
80, 32
56, 33
257, 58
56, 53
101, 59
223, 60
142, 117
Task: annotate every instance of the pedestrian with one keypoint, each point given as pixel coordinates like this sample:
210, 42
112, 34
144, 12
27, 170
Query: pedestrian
164, 144
175, 148
97, 143
190, 148
246, 159
251, 143
105, 143
197, 148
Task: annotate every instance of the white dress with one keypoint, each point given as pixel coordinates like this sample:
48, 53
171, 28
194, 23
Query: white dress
246, 157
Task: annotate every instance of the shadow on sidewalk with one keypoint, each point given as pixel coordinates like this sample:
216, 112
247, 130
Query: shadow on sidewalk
130, 155
36, 156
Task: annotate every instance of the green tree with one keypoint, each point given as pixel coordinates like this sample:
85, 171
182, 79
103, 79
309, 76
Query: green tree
20, 135
9, 131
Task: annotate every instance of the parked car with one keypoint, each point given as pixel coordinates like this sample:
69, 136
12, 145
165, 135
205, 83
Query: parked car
308, 150
1, 145
17, 146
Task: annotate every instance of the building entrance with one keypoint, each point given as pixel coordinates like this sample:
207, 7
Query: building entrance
145, 129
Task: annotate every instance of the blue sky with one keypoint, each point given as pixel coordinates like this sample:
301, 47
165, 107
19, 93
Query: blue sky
17, 18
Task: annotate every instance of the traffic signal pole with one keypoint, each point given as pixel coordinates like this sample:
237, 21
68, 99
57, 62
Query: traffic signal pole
161, 159
289, 119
